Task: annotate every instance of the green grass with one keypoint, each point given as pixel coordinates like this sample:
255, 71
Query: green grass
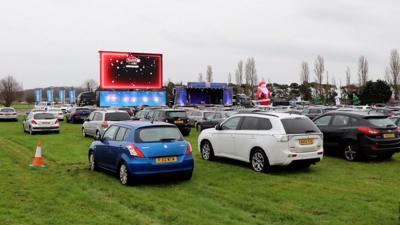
222, 192
20, 106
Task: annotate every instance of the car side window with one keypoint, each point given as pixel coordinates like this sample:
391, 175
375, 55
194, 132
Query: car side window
91, 116
323, 121
218, 116
264, 124
121, 134
231, 124
110, 133
340, 120
249, 123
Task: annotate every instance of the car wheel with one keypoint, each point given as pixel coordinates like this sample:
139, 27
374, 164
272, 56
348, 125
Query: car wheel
386, 156
92, 163
351, 152
72, 120
84, 133
30, 130
97, 135
207, 152
199, 128
124, 176
259, 161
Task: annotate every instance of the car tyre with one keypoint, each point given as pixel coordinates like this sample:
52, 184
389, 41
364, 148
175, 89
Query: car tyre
124, 176
31, 131
199, 128
259, 161
206, 150
83, 132
386, 156
350, 152
92, 162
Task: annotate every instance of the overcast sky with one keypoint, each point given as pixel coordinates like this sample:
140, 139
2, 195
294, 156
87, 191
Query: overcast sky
56, 43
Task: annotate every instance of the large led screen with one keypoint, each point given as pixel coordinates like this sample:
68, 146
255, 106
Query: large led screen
129, 70
132, 98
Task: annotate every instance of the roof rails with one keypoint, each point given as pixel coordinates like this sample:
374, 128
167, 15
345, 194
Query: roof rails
259, 112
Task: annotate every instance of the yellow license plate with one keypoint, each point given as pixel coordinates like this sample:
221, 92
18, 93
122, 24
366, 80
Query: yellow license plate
166, 160
178, 122
389, 135
307, 141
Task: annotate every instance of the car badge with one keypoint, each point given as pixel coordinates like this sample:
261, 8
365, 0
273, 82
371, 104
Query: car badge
165, 146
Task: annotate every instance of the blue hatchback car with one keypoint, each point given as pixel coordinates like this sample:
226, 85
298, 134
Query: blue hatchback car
137, 149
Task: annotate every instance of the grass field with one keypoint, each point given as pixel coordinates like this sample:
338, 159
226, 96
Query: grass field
222, 192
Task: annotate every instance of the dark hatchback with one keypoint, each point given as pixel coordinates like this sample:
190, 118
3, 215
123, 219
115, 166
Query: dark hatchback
359, 134
77, 114
173, 116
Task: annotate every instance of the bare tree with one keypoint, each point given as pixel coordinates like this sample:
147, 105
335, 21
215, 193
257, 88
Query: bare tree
362, 71
395, 70
229, 78
200, 77
90, 85
348, 76
10, 90
209, 74
305, 73
239, 73
319, 67
388, 78
251, 75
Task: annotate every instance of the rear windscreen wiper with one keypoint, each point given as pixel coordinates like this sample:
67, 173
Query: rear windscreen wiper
310, 131
167, 139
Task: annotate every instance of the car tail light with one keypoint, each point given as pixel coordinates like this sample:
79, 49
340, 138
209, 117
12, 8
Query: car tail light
60, 114
188, 149
14, 113
369, 131
135, 151
104, 124
34, 122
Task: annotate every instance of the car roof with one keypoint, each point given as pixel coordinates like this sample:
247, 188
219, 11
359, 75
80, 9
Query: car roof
356, 113
279, 115
140, 124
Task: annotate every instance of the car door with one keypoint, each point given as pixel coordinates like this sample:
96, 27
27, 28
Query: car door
338, 129
223, 139
245, 138
88, 125
116, 148
323, 123
102, 150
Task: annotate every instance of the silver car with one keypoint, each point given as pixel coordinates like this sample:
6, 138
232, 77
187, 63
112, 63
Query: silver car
41, 122
98, 121
8, 113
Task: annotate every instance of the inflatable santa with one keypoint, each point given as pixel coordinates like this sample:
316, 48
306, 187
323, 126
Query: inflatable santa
263, 94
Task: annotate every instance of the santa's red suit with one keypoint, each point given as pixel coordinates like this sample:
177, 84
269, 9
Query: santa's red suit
263, 94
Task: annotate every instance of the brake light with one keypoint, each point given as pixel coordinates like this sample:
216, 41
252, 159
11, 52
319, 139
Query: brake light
188, 149
135, 151
104, 124
369, 131
60, 114
34, 122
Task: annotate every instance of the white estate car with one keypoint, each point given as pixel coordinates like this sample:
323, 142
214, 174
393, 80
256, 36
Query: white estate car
264, 139
41, 122
8, 113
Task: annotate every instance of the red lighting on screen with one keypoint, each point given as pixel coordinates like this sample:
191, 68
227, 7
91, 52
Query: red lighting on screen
128, 70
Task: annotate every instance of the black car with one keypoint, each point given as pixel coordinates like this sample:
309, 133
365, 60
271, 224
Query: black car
86, 98
173, 116
213, 119
359, 134
77, 114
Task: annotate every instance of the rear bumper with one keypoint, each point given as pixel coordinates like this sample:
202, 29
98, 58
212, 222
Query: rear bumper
295, 157
376, 147
8, 117
140, 167
50, 128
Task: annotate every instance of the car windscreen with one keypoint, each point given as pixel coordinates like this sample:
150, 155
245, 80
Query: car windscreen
44, 116
7, 110
117, 116
299, 125
158, 134
380, 122
83, 110
177, 114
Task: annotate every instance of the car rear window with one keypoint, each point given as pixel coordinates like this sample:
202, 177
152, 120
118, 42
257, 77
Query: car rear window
380, 122
7, 110
158, 134
117, 116
314, 111
44, 116
174, 114
299, 125
83, 110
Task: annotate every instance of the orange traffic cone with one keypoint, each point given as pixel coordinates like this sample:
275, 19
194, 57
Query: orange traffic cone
37, 161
